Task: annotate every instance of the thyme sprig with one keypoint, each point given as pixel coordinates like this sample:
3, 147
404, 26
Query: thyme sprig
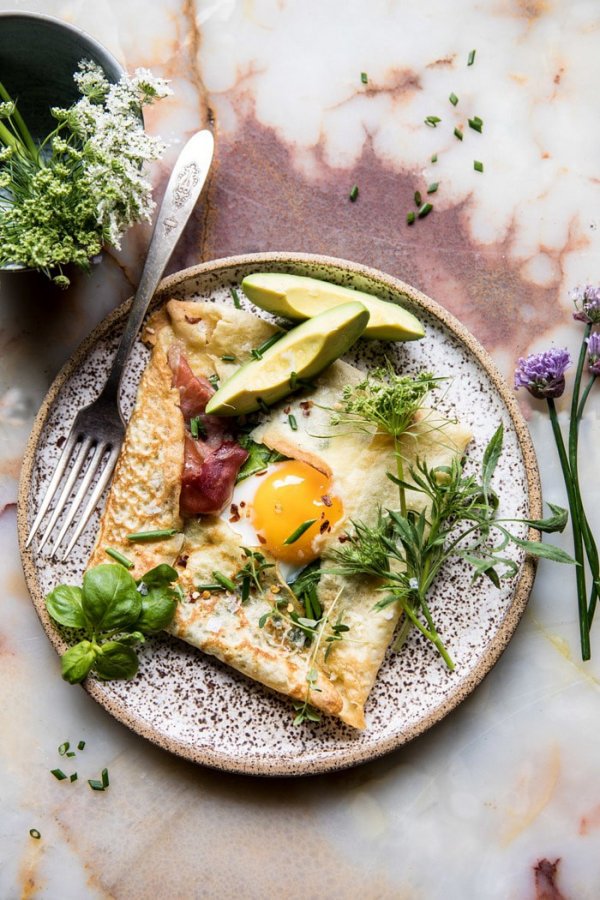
407, 550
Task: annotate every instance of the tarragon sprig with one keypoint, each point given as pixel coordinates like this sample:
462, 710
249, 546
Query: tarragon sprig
407, 551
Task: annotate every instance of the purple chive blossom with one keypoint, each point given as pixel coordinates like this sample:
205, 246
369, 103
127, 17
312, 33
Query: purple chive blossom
543, 374
587, 301
594, 353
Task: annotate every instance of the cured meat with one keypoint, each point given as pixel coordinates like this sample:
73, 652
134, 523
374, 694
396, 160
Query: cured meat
211, 462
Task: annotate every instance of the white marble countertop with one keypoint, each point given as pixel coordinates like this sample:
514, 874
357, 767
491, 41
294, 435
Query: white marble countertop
510, 779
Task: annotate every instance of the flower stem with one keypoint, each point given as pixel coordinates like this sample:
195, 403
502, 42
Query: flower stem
400, 471
584, 632
24, 132
588, 538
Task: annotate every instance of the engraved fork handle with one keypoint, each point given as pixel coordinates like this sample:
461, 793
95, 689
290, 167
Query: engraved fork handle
183, 189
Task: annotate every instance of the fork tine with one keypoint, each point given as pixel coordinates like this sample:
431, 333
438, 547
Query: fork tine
86, 480
59, 469
94, 497
64, 495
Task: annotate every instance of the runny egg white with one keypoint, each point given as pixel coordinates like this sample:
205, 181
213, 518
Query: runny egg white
269, 507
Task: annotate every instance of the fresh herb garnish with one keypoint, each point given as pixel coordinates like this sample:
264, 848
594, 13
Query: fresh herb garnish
458, 134
228, 358
73, 777
110, 551
364, 77
96, 785
434, 158
58, 774
139, 537
63, 748
197, 427
292, 422
424, 210
476, 124
35, 833
257, 352
417, 198
453, 99
352, 196
299, 531
471, 58
115, 612
259, 458
407, 550
432, 188
81, 745
214, 380
477, 165
224, 581
410, 217
236, 298
432, 121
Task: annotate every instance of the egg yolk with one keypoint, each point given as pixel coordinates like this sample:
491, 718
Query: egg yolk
292, 493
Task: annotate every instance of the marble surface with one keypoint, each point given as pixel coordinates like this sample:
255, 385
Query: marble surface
502, 800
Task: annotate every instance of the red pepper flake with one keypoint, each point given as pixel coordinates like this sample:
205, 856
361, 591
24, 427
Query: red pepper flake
261, 538
193, 321
343, 538
182, 561
235, 513
305, 405
324, 527
326, 500
242, 504
287, 410
61, 441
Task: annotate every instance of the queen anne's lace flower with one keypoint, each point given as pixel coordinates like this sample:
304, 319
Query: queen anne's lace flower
543, 374
93, 183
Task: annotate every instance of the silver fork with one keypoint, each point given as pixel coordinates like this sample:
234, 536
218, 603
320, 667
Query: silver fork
96, 435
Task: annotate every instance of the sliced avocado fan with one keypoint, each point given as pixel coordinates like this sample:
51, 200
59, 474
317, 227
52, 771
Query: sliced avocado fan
299, 297
301, 354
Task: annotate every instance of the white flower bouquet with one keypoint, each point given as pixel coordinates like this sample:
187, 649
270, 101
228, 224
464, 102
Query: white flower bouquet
80, 189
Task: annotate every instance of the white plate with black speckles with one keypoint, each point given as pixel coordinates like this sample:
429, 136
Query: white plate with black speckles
194, 706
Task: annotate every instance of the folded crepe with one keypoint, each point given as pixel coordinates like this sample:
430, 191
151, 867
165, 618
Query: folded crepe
146, 494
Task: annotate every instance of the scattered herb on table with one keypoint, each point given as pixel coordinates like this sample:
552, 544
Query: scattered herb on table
453, 99
364, 78
84, 185
543, 375
353, 195
115, 612
35, 834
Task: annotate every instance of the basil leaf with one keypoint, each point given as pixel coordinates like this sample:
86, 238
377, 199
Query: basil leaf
110, 597
158, 609
160, 575
259, 457
77, 662
64, 605
133, 637
116, 661
491, 456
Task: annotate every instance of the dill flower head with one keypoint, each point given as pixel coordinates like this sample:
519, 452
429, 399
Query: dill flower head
594, 353
587, 303
543, 374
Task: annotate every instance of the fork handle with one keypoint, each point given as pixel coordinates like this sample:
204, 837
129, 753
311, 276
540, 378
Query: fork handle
183, 189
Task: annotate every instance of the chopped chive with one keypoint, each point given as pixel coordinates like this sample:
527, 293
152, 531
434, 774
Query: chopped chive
104, 777
228, 358
434, 158
95, 785
70, 754
236, 298
458, 133
476, 124
224, 581
258, 351
293, 381
63, 748
432, 121
410, 217
293, 422
425, 210
417, 198
245, 588
81, 745
263, 406
353, 193
471, 58
364, 77
214, 380
295, 535
210, 587
477, 165
159, 534
197, 427
73, 777
58, 774
432, 188
110, 551
453, 99
35, 833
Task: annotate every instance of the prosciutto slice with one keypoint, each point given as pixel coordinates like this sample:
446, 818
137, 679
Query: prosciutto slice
210, 463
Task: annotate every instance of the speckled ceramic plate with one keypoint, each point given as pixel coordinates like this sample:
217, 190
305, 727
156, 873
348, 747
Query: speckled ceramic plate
195, 707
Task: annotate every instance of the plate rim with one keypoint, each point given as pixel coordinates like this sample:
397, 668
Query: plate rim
286, 764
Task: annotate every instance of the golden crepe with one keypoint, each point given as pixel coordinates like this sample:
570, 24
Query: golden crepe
145, 495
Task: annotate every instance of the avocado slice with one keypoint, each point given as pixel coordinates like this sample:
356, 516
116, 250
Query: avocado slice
299, 297
306, 350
